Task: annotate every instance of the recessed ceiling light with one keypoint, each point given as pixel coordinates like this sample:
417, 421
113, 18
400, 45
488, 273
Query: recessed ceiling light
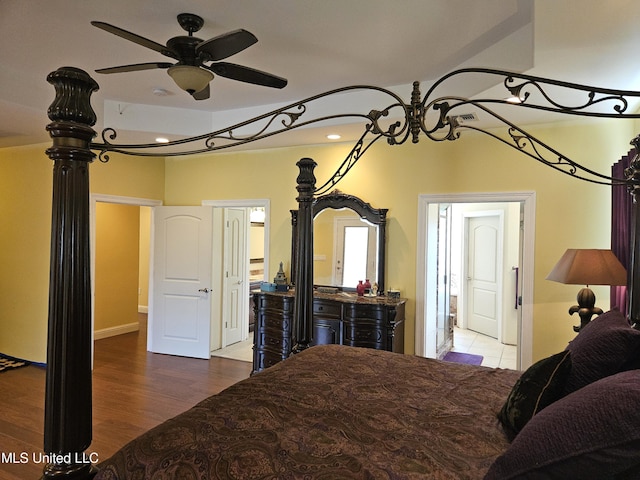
162, 140
333, 136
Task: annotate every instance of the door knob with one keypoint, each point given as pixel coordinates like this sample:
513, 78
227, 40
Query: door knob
204, 290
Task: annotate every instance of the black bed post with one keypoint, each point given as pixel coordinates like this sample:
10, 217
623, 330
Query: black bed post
67, 416
633, 176
303, 304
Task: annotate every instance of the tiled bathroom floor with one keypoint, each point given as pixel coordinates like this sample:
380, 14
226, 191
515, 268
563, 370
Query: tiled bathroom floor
495, 353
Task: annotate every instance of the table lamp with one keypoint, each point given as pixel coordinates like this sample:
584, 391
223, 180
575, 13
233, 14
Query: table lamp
588, 267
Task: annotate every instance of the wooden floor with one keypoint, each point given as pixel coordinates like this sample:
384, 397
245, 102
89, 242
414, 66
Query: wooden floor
133, 390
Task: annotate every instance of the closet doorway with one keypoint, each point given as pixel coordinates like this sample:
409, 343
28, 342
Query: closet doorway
452, 273
256, 256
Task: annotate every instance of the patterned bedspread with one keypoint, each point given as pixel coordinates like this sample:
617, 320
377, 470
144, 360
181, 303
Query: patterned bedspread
332, 412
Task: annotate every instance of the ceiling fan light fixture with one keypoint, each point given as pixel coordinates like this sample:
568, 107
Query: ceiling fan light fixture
190, 78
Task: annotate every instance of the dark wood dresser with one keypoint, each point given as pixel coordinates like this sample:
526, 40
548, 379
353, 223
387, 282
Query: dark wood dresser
338, 318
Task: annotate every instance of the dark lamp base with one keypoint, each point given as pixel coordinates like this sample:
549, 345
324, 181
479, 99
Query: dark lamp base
586, 307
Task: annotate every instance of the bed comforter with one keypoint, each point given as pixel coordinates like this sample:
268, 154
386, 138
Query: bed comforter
332, 412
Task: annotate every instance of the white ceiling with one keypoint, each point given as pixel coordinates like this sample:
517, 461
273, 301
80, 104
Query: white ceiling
316, 44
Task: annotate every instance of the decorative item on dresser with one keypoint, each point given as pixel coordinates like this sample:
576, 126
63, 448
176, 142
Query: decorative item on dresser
339, 318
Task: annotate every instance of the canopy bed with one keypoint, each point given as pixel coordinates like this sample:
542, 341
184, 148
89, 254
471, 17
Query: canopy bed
342, 411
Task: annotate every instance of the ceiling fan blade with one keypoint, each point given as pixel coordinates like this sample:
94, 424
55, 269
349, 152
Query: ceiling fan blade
132, 37
247, 75
202, 94
225, 45
135, 67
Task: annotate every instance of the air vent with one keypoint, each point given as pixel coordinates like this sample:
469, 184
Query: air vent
467, 117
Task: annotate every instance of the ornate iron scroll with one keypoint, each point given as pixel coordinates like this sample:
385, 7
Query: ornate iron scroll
290, 117
439, 120
434, 116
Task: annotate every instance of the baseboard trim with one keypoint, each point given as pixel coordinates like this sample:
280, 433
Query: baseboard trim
113, 331
143, 309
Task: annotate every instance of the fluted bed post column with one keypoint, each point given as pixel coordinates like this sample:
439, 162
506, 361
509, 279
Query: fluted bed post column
633, 176
67, 422
303, 305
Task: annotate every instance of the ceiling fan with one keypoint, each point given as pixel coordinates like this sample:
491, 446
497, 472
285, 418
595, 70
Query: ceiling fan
193, 72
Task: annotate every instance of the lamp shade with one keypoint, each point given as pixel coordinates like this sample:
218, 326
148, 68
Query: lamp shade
588, 267
189, 78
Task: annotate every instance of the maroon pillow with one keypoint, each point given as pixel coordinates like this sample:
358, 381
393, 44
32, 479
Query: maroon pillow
593, 433
604, 346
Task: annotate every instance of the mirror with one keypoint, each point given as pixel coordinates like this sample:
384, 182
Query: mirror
349, 241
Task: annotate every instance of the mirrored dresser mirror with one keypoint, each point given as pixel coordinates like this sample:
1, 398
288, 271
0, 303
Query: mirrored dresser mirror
349, 237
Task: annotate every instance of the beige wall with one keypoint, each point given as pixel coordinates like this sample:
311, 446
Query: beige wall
569, 213
116, 265
25, 207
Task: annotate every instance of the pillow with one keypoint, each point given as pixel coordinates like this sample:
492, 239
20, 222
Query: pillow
540, 385
593, 433
604, 346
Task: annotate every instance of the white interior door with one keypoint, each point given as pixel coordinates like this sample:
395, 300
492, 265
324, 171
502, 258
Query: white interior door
235, 283
484, 272
180, 307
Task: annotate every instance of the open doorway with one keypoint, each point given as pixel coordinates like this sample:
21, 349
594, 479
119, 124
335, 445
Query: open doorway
200, 282
255, 253
485, 256
443, 290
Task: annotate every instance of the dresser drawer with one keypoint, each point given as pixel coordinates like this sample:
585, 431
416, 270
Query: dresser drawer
265, 359
281, 304
364, 311
273, 321
364, 335
273, 339
327, 309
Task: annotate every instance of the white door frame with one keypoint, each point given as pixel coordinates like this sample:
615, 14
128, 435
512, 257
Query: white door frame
425, 324
217, 298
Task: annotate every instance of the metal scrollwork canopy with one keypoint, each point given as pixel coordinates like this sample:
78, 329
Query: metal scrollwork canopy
436, 117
